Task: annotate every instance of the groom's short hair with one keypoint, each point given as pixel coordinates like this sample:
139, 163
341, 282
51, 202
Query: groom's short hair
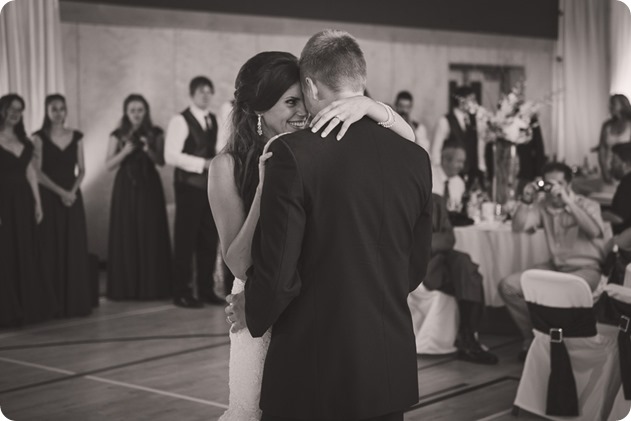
334, 58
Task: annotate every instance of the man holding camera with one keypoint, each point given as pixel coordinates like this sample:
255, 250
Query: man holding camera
574, 231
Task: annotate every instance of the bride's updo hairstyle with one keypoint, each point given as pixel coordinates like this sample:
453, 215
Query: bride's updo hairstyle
261, 82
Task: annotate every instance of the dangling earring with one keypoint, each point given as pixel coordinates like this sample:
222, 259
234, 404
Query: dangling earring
259, 129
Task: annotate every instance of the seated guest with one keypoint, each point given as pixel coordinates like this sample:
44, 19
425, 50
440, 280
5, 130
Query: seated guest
574, 231
446, 176
453, 273
403, 105
620, 213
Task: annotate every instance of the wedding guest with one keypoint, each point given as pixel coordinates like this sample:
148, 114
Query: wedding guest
460, 125
190, 146
60, 170
403, 105
574, 231
139, 254
25, 296
620, 212
453, 273
446, 179
616, 129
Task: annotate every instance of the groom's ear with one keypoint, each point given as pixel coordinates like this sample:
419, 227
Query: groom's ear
312, 88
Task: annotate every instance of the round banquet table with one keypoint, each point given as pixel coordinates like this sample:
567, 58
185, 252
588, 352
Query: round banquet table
499, 252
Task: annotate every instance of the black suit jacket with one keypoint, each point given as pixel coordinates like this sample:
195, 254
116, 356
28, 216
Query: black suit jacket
344, 235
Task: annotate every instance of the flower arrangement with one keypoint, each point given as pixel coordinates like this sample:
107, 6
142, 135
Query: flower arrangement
514, 119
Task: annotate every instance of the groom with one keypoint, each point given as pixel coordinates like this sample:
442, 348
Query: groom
344, 235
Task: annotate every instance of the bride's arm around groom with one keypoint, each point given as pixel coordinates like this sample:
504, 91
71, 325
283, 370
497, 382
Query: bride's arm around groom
282, 220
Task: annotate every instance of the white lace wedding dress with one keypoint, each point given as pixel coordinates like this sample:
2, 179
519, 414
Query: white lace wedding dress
247, 356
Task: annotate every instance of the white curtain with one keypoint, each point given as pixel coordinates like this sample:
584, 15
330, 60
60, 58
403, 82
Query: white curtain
31, 61
620, 48
582, 77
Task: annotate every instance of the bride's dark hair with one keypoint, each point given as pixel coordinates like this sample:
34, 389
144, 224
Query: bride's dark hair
261, 82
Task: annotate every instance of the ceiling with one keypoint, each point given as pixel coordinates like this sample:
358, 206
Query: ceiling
527, 18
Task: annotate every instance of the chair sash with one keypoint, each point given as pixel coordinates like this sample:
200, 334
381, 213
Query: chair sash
618, 313
560, 323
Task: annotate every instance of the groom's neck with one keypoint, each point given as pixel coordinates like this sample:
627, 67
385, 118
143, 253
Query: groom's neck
329, 96
347, 93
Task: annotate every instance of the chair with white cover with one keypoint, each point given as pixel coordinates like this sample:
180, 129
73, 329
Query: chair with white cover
616, 314
570, 370
435, 318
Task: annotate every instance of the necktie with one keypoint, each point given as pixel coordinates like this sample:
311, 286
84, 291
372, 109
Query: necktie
209, 122
446, 193
467, 122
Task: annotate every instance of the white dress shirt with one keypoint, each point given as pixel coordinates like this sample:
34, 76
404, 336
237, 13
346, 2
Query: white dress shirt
177, 132
455, 184
443, 131
420, 135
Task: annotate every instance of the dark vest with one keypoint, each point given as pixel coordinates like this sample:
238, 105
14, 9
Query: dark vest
468, 138
200, 143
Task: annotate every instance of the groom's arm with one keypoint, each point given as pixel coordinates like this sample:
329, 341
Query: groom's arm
422, 238
273, 280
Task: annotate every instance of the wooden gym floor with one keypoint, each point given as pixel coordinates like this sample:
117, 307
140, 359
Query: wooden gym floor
154, 361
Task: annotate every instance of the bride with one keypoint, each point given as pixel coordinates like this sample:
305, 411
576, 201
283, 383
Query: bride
268, 103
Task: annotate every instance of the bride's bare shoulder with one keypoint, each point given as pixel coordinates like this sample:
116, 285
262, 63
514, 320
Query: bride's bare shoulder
221, 165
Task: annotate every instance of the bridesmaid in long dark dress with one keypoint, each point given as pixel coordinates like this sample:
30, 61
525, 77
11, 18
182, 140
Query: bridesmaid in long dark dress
139, 256
25, 297
63, 233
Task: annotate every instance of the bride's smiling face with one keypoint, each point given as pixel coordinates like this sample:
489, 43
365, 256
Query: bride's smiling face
287, 115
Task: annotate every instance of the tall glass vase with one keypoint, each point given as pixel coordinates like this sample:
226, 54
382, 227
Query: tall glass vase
506, 163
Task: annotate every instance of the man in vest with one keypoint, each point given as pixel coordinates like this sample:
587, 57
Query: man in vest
459, 125
190, 145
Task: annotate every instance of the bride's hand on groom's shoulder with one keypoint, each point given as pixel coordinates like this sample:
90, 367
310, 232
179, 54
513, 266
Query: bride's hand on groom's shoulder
346, 111
235, 312
265, 156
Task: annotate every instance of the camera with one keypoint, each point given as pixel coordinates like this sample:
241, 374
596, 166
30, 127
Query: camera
544, 186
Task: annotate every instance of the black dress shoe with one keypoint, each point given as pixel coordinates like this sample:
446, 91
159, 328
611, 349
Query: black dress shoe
469, 349
213, 299
188, 302
477, 356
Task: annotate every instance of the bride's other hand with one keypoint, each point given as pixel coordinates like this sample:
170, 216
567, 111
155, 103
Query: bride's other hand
346, 111
235, 312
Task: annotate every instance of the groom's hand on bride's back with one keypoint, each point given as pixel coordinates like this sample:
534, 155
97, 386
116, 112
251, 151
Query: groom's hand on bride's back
235, 311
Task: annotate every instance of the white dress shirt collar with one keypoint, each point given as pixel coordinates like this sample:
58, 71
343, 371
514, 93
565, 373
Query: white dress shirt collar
199, 114
438, 179
462, 117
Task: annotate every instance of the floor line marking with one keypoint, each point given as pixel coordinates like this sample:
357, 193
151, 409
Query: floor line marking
75, 375
157, 391
462, 391
110, 368
111, 340
494, 416
40, 366
441, 391
89, 320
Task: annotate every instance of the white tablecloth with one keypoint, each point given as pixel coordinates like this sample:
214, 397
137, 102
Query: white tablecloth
499, 252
